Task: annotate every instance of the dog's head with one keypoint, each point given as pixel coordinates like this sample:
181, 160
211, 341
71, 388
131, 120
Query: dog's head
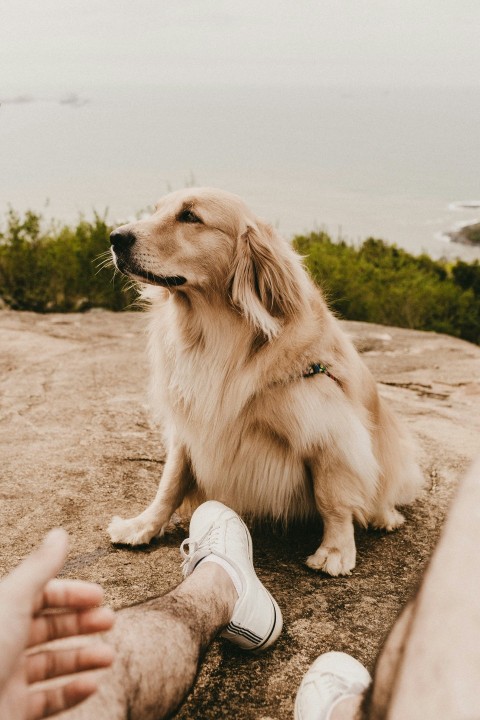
201, 239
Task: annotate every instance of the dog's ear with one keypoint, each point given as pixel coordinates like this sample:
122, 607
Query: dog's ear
264, 280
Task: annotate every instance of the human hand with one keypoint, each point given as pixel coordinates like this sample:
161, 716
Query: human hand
35, 609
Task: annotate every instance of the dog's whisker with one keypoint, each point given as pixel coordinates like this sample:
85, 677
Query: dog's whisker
103, 266
103, 255
107, 255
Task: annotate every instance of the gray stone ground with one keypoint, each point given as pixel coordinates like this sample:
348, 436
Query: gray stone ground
76, 446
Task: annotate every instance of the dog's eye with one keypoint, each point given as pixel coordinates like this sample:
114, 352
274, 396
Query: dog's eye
187, 216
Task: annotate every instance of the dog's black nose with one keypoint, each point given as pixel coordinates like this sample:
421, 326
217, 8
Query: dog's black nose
122, 240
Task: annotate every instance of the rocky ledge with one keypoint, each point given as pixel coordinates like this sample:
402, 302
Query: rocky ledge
77, 446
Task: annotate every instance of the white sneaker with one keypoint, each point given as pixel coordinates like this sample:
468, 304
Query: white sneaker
333, 677
216, 529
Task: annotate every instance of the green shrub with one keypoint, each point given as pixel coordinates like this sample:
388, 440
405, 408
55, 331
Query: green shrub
54, 268
384, 284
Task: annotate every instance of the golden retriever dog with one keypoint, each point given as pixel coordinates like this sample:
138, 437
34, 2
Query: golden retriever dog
265, 403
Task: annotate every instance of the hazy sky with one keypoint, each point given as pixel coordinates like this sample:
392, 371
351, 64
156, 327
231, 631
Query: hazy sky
76, 44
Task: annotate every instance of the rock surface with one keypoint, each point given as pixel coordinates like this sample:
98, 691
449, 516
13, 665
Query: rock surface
467, 234
77, 446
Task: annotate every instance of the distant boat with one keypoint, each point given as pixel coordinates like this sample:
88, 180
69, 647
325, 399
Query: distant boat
464, 205
73, 99
470, 204
18, 100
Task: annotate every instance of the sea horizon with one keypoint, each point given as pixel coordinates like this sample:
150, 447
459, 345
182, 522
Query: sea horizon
399, 163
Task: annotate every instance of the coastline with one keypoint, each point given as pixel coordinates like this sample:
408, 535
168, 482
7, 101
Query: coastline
466, 234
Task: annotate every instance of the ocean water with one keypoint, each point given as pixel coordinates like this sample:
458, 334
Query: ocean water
397, 164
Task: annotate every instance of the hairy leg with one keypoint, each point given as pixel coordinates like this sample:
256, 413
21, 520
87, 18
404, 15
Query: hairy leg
158, 647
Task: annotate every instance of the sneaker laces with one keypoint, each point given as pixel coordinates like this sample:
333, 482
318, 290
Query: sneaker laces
204, 543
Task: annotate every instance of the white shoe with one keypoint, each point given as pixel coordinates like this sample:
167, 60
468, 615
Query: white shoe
216, 529
333, 677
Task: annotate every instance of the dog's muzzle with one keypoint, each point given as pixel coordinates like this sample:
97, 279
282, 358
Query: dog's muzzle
121, 243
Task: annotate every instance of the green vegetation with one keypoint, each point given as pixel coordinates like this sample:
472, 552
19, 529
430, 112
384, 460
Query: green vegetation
61, 268
383, 284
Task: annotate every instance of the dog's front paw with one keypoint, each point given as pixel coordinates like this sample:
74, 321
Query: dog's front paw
135, 531
333, 561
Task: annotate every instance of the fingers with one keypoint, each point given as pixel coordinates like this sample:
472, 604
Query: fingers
54, 663
28, 579
43, 703
59, 625
71, 594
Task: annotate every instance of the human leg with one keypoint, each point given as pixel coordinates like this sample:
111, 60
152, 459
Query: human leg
429, 666
158, 647
438, 674
159, 644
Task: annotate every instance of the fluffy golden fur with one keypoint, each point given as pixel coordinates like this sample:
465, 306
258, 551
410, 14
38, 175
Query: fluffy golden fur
235, 321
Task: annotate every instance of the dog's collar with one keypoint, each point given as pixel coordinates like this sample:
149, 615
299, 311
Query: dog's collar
320, 369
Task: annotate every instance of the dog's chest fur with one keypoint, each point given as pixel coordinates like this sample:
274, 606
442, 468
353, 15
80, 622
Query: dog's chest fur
209, 397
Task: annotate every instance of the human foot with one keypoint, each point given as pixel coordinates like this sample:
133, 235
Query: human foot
331, 679
217, 531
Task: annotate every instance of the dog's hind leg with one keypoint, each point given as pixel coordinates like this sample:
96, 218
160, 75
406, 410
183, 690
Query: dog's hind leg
387, 519
176, 480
